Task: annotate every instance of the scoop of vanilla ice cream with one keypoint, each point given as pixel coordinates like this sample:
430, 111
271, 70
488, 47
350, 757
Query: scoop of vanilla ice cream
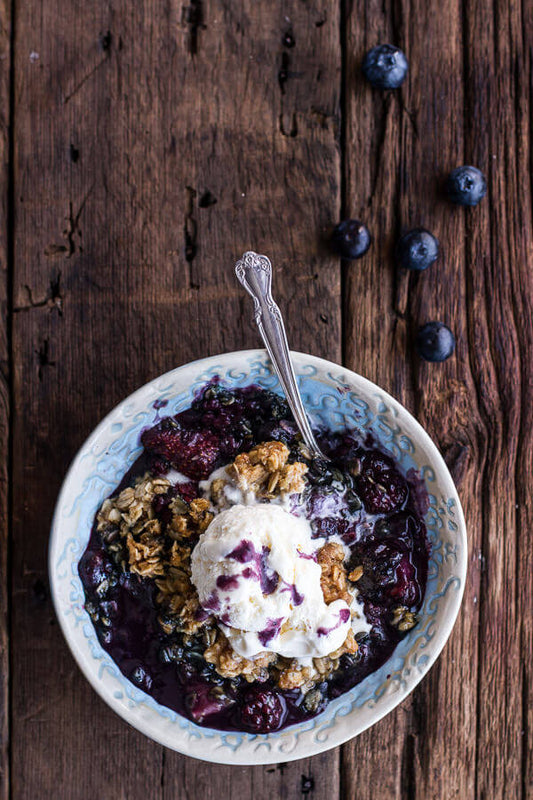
255, 569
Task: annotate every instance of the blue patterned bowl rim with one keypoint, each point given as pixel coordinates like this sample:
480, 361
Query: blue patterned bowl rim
336, 397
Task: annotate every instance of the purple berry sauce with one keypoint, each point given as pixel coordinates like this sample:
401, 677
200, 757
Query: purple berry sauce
362, 496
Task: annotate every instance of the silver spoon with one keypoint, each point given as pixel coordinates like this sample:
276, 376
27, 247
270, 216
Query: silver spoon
255, 273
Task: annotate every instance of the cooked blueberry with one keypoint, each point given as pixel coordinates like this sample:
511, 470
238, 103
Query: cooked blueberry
141, 678
406, 589
350, 239
264, 711
94, 568
417, 249
435, 342
401, 528
466, 186
385, 66
379, 484
194, 453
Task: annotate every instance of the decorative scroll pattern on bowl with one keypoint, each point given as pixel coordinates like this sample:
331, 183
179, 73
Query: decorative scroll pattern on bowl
334, 397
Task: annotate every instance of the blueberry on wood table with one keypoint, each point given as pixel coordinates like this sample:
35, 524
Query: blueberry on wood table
435, 342
350, 239
417, 249
466, 186
385, 66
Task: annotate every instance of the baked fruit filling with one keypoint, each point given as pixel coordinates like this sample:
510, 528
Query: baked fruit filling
243, 584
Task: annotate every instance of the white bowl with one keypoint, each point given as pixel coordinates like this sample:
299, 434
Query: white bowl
338, 398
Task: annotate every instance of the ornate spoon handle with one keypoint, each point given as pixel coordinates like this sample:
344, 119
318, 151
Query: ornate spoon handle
255, 273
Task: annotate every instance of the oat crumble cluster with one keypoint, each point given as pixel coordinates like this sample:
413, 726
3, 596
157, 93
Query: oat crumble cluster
164, 555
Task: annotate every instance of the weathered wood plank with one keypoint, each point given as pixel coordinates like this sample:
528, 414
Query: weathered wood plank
5, 378
397, 147
371, 169
523, 302
499, 257
130, 124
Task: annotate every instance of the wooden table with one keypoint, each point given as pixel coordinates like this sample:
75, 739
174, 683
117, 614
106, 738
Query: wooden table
145, 146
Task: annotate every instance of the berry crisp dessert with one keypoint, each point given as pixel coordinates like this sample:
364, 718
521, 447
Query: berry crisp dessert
243, 584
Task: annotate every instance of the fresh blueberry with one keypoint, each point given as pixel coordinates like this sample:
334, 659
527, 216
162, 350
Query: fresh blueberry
435, 341
417, 249
385, 67
350, 239
466, 186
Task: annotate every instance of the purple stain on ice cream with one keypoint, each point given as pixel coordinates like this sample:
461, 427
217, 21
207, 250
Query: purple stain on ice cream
227, 582
244, 552
250, 574
344, 616
212, 603
270, 632
308, 556
268, 578
296, 597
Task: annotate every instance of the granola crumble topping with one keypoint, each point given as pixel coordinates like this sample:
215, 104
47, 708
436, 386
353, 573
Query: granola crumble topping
265, 471
164, 555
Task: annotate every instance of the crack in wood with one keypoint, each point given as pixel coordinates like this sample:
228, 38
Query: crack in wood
53, 299
411, 116
290, 129
72, 228
192, 18
43, 358
207, 200
456, 456
408, 774
105, 41
288, 39
54, 249
378, 151
190, 228
283, 73
76, 88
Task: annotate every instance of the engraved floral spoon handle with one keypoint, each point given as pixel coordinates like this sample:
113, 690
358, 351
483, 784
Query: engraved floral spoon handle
255, 273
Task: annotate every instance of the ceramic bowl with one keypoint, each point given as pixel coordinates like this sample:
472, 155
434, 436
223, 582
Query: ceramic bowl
337, 398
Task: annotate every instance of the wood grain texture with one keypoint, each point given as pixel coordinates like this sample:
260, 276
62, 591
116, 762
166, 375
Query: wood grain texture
373, 327
464, 102
499, 93
154, 144
5, 369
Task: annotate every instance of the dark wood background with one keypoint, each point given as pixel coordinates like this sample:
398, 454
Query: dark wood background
144, 146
